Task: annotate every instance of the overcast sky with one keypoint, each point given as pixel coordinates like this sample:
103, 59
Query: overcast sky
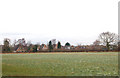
74, 21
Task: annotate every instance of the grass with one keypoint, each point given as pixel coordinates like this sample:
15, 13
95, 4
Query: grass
60, 64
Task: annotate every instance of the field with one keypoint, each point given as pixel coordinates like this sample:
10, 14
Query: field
60, 64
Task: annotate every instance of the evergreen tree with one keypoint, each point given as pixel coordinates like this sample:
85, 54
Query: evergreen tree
50, 46
6, 47
59, 45
35, 48
67, 44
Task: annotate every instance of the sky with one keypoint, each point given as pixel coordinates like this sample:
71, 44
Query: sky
73, 21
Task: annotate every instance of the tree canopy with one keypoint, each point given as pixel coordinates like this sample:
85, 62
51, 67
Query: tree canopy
50, 46
6, 46
108, 38
67, 44
59, 45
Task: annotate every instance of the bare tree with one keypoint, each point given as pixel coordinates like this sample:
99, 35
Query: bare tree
21, 42
96, 42
53, 41
28, 43
107, 39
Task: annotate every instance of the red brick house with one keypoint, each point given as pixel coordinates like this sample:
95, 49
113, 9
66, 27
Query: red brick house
20, 49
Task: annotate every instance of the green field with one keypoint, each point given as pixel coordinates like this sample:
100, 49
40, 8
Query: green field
60, 64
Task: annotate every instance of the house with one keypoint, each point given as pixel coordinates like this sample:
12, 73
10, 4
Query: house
31, 48
67, 47
38, 48
55, 46
113, 47
62, 47
80, 47
72, 47
20, 49
44, 47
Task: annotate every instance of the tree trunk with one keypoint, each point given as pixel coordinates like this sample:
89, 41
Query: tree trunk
108, 46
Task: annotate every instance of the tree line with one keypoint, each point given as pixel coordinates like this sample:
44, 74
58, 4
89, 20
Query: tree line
106, 41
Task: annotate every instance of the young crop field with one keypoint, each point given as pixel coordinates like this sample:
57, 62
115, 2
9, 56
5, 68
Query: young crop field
60, 64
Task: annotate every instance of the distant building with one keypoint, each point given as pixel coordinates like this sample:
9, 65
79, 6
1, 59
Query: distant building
55, 46
39, 48
20, 49
113, 47
80, 47
67, 47
72, 47
44, 47
31, 48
